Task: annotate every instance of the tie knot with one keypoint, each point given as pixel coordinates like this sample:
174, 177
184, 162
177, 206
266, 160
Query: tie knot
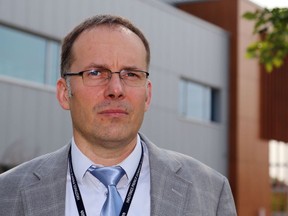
107, 175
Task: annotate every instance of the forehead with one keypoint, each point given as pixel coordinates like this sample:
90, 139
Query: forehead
109, 42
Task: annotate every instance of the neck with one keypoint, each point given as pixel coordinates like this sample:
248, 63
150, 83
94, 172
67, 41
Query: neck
106, 154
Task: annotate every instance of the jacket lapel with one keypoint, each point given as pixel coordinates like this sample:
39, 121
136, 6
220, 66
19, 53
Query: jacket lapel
168, 192
168, 189
46, 193
171, 192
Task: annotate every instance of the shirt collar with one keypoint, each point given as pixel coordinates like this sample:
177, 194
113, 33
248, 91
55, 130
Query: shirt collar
130, 164
81, 163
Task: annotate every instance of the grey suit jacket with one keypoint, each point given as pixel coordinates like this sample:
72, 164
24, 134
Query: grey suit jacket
180, 186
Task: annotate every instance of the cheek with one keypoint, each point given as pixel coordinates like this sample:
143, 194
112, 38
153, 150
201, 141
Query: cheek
89, 94
83, 101
143, 103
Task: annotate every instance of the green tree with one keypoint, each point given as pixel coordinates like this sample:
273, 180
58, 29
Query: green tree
272, 47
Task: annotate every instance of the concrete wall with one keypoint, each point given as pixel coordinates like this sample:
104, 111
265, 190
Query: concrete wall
31, 121
181, 46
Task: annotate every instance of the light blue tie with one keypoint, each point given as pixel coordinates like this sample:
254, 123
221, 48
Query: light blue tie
110, 177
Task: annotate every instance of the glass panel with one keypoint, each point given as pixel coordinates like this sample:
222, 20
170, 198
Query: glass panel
215, 105
53, 65
22, 55
198, 101
27, 56
183, 96
207, 100
278, 158
195, 100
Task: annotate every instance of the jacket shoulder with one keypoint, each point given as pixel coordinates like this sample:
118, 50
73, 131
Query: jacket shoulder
202, 184
27, 172
185, 166
18, 181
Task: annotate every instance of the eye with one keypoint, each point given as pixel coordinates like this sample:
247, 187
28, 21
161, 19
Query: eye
130, 74
94, 73
97, 74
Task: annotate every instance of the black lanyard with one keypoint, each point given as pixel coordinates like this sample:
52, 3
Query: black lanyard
129, 195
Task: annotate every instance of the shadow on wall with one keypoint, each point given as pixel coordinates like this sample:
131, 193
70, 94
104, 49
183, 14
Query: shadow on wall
4, 168
16, 153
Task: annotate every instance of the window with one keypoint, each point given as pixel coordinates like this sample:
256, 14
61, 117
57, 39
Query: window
278, 159
199, 101
27, 56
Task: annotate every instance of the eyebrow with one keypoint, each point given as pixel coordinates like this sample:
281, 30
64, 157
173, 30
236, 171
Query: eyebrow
93, 65
105, 66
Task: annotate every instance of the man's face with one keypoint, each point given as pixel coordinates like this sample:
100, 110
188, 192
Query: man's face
110, 114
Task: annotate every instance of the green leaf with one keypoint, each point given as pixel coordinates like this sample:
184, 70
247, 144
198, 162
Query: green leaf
271, 48
269, 67
249, 15
277, 62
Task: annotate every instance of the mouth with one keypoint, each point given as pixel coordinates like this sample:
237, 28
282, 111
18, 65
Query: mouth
114, 112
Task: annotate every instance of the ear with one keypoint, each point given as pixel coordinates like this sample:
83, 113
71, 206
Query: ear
148, 95
62, 94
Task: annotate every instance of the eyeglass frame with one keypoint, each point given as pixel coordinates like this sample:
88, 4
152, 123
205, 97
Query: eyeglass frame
109, 77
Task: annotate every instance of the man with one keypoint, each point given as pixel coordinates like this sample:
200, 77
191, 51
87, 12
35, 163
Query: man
104, 83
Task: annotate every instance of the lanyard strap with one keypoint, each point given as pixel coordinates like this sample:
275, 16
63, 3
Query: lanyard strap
129, 195
76, 191
132, 188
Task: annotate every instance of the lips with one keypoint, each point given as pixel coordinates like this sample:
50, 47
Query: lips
113, 112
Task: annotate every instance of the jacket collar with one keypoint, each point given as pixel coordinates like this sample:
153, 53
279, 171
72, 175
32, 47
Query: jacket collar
168, 188
46, 193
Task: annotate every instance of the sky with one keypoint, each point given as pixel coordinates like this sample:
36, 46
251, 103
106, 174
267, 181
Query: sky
271, 3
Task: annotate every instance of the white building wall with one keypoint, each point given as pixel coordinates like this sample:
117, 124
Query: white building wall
31, 121
181, 46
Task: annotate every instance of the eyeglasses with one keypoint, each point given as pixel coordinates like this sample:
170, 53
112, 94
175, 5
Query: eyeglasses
98, 77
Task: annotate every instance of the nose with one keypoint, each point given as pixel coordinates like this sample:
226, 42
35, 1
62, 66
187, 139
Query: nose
115, 87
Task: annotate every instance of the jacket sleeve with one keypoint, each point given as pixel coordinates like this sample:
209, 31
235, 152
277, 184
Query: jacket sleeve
226, 206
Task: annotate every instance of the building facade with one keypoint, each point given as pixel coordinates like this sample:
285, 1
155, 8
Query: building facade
257, 114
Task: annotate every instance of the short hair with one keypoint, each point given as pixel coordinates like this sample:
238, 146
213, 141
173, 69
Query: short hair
90, 23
